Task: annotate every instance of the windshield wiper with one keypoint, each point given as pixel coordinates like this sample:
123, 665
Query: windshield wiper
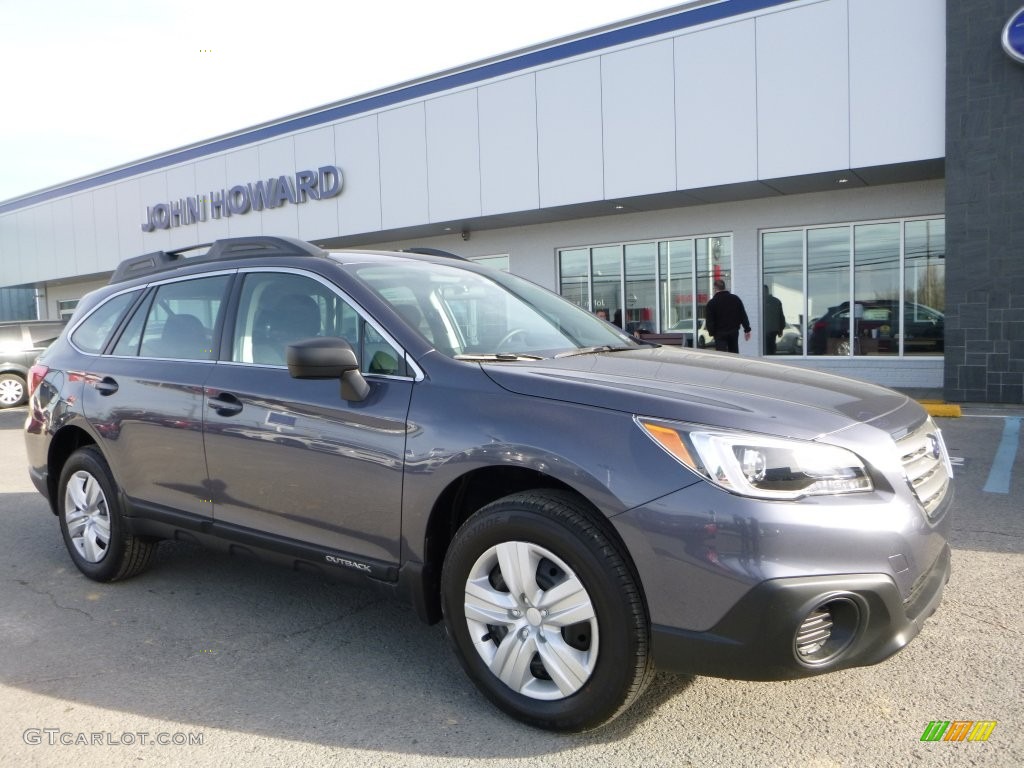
497, 357
595, 350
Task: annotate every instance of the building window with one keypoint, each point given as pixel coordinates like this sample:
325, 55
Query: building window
498, 261
66, 308
656, 286
891, 273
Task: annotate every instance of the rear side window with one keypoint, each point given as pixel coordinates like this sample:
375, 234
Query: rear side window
92, 334
182, 320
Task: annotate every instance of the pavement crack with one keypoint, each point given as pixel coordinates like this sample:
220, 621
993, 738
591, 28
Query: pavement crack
959, 607
973, 531
335, 620
45, 593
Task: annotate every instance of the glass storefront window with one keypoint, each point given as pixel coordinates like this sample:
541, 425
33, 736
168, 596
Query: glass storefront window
575, 277
660, 286
924, 287
678, 300
828, 290
606, 270
891, 274
641, 291
876, 289
783, 324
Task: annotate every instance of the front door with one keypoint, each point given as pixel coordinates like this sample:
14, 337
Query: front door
290, 458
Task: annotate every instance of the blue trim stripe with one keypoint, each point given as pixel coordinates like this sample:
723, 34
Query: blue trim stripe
1002, 466
629, 34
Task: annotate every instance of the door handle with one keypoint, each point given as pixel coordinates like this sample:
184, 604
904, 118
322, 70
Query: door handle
225, 404
106, 386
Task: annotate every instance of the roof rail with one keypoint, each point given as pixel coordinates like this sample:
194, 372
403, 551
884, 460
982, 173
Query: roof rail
434, 252
219, 250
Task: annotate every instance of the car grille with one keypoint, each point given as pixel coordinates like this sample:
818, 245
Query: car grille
923, 455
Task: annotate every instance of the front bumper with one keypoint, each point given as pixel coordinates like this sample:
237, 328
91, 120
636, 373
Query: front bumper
756, 640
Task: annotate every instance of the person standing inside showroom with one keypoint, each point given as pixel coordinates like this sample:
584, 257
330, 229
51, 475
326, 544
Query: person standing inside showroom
724, 316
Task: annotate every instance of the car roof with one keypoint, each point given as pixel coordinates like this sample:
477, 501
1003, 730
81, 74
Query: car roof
263, 246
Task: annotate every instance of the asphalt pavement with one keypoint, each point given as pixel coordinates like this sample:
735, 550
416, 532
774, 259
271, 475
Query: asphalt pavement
205, 660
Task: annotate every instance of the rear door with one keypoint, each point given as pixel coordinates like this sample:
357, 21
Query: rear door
145, 397
290, 459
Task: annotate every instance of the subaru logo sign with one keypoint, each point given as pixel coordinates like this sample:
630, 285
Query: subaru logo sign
1013, 36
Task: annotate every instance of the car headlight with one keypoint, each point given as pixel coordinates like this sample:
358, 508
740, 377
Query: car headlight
760, 466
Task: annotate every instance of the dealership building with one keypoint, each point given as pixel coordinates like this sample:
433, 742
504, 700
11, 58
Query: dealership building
859, 161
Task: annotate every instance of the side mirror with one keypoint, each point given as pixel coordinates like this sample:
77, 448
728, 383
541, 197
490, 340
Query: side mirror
328, 358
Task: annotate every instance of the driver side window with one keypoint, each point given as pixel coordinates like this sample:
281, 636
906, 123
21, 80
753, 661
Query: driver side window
278, 309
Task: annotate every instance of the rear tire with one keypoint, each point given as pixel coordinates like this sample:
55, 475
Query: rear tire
545, 614
91, 522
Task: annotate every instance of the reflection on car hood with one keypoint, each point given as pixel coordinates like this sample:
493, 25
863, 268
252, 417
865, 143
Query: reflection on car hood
711, 388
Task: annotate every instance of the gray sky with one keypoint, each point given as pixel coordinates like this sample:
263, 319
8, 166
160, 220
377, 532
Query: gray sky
92, 84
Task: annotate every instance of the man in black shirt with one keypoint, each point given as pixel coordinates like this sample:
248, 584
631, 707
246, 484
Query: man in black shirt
723, 318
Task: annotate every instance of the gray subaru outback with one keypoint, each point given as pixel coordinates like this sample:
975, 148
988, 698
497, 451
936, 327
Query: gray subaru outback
579, 508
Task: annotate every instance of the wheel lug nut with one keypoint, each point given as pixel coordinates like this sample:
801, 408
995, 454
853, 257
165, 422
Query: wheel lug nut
516, 613
524, 633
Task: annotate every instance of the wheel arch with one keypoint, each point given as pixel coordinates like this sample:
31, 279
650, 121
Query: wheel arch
64, 443
471, 492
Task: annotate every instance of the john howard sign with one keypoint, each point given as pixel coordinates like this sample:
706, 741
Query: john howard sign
323, 183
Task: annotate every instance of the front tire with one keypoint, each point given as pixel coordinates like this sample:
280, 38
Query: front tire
545, 613
91, 522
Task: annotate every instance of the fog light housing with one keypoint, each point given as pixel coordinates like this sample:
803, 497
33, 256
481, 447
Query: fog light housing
827, 631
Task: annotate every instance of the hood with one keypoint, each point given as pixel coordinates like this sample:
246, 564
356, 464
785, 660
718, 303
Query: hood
710, 388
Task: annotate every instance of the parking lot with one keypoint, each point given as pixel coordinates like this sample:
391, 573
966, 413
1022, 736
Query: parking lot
229, 662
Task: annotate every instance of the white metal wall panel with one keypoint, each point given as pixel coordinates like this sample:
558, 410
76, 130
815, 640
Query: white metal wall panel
46, 250
181, 184
453, 157
403, 167
357, 153
277, 158
131, 210
211, 176
716, 106
10, 263
569, 143
637, 94
508, 145
803, 104
107, 244
897, 92
313, 149
27, 253
84, 217
64, 235
243, 166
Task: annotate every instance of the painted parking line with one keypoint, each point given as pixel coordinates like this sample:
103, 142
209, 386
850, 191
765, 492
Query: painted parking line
1002, 466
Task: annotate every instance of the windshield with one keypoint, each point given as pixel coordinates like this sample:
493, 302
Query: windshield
469, 313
